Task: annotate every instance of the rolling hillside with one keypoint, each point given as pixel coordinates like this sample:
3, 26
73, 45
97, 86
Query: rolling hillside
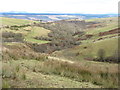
89, 51
13, 21
25, 28
103, 35
62, 54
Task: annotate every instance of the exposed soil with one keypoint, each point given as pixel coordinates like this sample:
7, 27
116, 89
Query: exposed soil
114, 31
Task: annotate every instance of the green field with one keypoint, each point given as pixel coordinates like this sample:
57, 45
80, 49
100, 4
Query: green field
91, 49
36, 31
108, 24
13, 21
29, 32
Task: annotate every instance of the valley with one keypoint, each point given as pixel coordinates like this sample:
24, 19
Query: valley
67, 53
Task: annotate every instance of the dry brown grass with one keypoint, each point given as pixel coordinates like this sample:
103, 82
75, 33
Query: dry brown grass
20, 51
106, 76
102, 74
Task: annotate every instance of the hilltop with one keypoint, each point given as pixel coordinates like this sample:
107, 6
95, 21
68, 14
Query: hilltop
13, 21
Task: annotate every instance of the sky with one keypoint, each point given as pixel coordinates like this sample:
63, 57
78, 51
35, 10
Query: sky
61, 6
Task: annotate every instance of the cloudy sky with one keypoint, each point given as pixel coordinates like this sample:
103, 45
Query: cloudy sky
61, 6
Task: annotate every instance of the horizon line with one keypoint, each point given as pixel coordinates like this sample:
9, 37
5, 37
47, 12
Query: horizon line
54, 13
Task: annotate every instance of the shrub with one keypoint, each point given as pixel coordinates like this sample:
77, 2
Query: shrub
111, 59
17, 68
24, 76
5, 84
101, 55
12, 37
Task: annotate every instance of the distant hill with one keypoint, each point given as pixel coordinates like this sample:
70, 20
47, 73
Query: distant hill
53, 16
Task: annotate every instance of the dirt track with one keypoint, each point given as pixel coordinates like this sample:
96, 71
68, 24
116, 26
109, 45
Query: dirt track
59, 59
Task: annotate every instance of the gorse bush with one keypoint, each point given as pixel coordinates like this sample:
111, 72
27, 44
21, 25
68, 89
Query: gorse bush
101, 54
5, 84
17, 27
111, 59
24, 76
17, 68
12, 37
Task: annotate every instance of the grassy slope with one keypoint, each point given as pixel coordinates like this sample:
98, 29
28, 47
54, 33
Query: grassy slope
108, 45
36, 31
110, 23
29, 32
26, 77
26, 69
33, 78
13, 21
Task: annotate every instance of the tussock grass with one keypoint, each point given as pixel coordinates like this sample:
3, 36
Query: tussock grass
101, 74
29, 76
20, 51
93, 73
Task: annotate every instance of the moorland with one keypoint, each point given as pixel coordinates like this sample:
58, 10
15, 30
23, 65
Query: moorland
68, 53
